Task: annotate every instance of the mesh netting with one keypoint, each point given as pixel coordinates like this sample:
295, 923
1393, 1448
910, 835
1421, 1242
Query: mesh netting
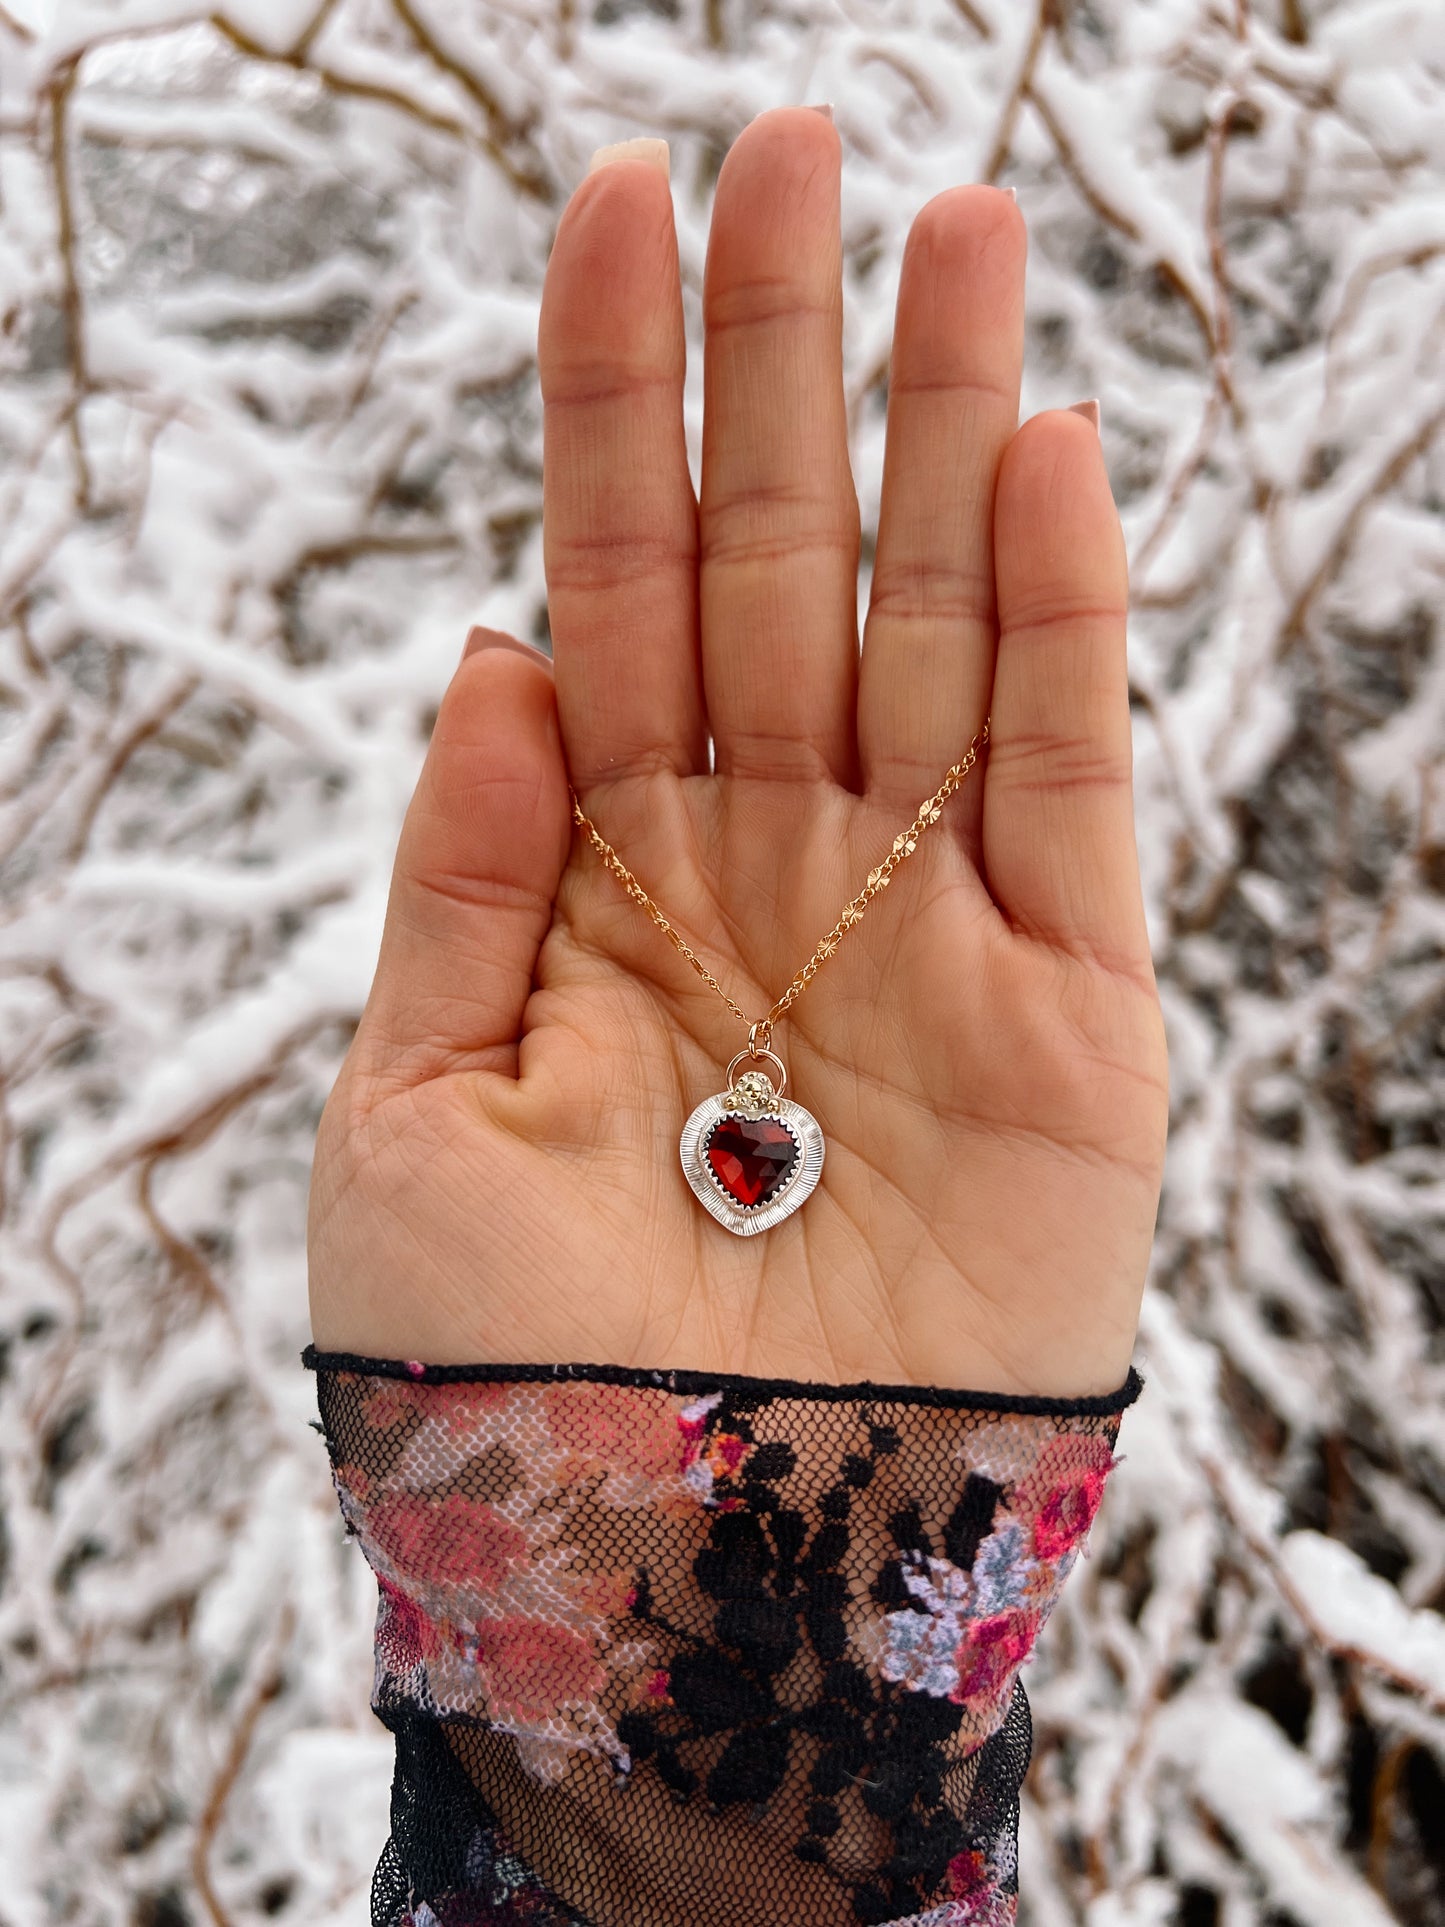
675, 1650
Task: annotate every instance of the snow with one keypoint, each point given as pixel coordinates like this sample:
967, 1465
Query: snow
248, 509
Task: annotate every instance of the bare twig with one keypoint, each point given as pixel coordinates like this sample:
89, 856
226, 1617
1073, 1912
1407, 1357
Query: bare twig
269, 1683
60, 91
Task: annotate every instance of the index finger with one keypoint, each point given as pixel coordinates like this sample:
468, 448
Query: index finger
619, 519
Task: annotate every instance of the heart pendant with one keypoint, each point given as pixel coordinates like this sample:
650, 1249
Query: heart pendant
751, 1154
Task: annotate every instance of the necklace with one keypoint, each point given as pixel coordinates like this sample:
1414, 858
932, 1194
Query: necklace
752, 1155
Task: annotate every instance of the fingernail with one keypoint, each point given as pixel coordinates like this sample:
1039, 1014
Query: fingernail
479, 638
1090, 412
826, 110
1012, 192
643, 148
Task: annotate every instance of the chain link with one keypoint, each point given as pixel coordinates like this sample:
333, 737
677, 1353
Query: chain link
853, 912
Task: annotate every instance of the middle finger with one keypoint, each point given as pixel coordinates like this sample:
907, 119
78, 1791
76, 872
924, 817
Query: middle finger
778, 514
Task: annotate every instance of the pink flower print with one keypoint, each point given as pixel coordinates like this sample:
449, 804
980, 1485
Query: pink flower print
969, 1875
608, 1594
453, 1541
405, 1635
619, 1428
990, 1654
701, 1469
388, 1405
691, 1426
357, 1481
531, 1667
1067, 1513
692, 1419
654, 1690
726, 1454
458, 1407
1064, 1459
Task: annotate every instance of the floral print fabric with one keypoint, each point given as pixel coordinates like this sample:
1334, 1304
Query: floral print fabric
665, 1649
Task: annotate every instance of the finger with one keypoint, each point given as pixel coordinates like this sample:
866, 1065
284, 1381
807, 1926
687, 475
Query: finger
619, 515
477, 867
1058, 818
779, 516
953, 398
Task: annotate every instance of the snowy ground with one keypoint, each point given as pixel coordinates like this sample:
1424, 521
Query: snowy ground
269, 441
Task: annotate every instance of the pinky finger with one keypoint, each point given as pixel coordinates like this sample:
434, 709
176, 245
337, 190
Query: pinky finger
1058, 822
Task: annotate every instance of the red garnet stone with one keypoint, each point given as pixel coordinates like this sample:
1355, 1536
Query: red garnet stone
750, 1157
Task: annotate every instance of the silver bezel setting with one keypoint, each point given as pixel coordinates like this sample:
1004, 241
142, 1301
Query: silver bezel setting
746, 1220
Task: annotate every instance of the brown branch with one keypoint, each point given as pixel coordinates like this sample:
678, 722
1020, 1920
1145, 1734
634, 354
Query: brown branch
1174, 499
499, 123
1322, 97
51, 784
1162, 1675
1114, 216
502, 131
1369, 271
54, 723
311, 32
18, 586
1107, 211
185, 1261
340, 83
267, 1688
371, 355
530, 180
113, 767
339, 555
188, 1135
923, 91
974, 18
1021, 90
1340, 1649
1222, 333
1338, 551
59, 93
1382, 1813
20, 621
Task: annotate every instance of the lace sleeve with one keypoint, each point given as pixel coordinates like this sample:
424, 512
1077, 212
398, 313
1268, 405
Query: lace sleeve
676, 1649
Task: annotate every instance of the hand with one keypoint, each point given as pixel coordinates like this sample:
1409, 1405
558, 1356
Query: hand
497, 1173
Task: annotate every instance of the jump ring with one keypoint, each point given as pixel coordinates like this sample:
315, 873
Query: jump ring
754, 1055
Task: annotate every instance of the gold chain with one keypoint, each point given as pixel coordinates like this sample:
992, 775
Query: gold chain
878, 878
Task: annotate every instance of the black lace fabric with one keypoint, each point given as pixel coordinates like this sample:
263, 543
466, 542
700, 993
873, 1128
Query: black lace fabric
665, 1649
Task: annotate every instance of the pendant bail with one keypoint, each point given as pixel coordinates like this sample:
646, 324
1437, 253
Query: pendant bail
771, 1057
760, 1035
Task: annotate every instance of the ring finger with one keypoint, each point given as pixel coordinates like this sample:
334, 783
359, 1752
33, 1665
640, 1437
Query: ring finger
953, 400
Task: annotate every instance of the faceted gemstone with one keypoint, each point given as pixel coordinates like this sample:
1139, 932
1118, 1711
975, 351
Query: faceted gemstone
750, 1157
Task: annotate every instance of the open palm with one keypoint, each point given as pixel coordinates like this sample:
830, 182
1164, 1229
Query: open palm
497, 1174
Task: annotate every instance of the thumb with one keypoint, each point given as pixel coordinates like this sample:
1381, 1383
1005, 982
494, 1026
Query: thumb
482, 849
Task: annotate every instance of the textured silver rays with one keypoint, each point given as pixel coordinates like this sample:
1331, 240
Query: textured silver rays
753, 1098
